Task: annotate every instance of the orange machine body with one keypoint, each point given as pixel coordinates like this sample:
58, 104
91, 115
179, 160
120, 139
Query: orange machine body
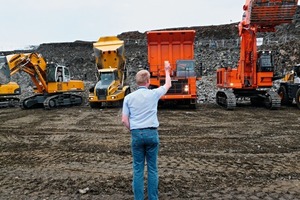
177, 47
255, 68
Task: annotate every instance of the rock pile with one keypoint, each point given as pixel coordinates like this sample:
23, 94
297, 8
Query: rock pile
215, 46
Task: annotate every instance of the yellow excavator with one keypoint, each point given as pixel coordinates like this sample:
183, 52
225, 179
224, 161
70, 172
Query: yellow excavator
53, 84
8, 90
111, 71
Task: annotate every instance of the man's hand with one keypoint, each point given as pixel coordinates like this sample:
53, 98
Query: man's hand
168, 82
125, 121
167, 66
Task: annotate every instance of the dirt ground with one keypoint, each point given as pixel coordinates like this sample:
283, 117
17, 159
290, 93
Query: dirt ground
207, 153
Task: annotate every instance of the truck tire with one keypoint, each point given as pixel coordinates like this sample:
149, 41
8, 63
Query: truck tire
95, 104
285, 100
298, 98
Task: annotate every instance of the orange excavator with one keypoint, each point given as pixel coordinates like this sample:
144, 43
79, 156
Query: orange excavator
253, 78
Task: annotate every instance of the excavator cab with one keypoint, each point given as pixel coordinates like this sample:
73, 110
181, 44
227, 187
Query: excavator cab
265, 61
57, 73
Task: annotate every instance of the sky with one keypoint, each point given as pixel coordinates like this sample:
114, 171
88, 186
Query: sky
33, 22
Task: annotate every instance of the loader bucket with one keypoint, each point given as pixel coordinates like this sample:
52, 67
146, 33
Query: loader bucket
275, 12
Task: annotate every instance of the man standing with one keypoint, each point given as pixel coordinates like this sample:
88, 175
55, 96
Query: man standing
139, 115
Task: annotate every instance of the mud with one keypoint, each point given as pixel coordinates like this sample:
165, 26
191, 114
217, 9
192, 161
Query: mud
207, 153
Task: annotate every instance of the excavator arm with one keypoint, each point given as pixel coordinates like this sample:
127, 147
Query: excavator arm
34, 65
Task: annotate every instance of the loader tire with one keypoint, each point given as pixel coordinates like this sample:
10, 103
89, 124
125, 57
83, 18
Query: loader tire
298, 98
95, 105
285, 100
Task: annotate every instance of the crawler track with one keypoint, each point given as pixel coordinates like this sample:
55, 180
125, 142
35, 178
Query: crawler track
226, 99
272, 100
51, 101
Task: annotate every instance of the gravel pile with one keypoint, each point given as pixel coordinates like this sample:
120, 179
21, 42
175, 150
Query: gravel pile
215, 46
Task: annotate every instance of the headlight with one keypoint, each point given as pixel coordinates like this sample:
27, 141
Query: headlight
186, 88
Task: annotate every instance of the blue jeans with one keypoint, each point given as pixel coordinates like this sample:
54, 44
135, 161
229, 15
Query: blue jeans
145, 146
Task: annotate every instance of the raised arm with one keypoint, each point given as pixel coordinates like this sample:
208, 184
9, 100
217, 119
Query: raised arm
168, 82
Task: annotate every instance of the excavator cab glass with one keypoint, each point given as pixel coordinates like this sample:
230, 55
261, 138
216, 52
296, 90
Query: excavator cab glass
51, 70
4, 71
59, 74
66, 74
265, 62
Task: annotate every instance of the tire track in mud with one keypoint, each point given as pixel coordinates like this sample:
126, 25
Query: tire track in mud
75, 146
213, 153
207, 153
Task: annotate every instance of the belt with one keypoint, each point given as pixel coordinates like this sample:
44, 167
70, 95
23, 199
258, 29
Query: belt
150, 128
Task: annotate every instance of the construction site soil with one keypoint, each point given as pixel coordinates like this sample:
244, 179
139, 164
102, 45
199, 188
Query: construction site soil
206, 153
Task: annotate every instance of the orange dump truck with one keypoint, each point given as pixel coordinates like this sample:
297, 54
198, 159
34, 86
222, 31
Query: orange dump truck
177, 47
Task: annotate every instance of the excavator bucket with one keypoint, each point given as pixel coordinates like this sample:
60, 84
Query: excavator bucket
275, 12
